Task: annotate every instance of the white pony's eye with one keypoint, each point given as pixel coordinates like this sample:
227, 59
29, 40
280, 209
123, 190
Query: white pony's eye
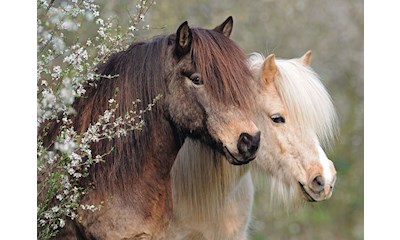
277, 118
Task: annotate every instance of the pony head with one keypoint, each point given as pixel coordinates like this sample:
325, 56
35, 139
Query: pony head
297, 114
209, 91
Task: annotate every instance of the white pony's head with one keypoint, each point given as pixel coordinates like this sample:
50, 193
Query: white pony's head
296, 116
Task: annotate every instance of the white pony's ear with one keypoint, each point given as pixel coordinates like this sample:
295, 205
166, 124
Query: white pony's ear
306, 58
269, 69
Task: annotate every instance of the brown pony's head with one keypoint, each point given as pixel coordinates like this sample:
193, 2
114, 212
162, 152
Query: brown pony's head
206, 87
209, 91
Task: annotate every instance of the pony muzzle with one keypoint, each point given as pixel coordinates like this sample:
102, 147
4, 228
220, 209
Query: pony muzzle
318, 189
247, 147
248, 144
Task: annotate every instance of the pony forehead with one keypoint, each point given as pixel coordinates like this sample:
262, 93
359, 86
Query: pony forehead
303, 95
223, 67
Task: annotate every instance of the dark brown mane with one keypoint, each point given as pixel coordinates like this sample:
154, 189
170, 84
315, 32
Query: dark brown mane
140, 71
228, 80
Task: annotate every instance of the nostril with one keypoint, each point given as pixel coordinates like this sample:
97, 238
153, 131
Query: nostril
317, 184
244, 143
248, 144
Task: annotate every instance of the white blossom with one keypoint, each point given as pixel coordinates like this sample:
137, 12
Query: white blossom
71, 171
49, 99
54, 226
101, 32
48, 215
42, 222
67, 95
60, 197
77, 175
62, 223
132, 28
69, 25
100, 21
55, 209
98, 158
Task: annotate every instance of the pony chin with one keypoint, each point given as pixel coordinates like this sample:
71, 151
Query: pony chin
236, 159
232, 156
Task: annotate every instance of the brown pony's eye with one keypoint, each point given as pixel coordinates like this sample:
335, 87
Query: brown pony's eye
277, 118
196, 79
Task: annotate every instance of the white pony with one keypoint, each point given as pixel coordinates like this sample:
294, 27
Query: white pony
213, 199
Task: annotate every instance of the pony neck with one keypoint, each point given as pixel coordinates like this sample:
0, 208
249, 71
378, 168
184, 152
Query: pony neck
202, 179
165, 142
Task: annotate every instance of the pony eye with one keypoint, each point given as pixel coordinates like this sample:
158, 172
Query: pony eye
196, 79
276, 118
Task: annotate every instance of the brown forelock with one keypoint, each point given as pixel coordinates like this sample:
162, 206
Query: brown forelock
141, 76
222, 65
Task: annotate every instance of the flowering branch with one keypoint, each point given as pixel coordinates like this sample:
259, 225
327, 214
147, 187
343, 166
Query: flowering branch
65, 65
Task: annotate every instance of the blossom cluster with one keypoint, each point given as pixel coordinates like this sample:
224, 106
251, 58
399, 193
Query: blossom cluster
66, 63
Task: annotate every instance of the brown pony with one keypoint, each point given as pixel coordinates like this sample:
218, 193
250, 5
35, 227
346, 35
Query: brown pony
206, 87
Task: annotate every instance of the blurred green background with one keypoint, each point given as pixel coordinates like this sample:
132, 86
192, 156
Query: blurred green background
334, 31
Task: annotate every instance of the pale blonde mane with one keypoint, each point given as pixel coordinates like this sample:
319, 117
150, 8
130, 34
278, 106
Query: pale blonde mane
304, 96
203, 179
281, 194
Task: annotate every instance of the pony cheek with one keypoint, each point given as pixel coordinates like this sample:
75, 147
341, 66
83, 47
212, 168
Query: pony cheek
186, 115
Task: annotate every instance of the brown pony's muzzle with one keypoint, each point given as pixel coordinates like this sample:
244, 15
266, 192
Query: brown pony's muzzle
247, 147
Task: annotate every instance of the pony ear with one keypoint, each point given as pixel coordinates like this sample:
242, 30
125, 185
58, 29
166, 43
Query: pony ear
306, 58
226, 27
269, 69
183, 41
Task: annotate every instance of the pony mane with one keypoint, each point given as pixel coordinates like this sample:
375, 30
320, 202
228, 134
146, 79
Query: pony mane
203, 178
281, 193
304, 96
140, 72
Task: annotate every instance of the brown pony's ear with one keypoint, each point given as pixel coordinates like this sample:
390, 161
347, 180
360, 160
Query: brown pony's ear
306, 58
226, 27
183, 41
269, 69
